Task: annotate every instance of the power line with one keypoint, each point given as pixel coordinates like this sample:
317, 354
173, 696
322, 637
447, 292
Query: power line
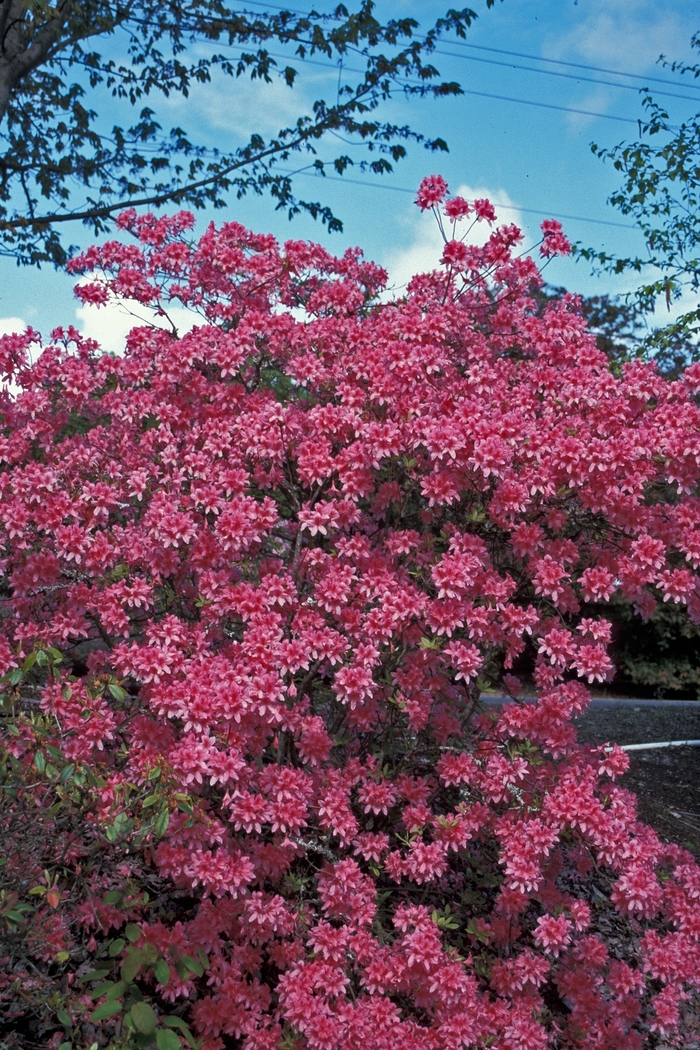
575, 65
549, 105
555, 73
532, 58
505, 207
472, 91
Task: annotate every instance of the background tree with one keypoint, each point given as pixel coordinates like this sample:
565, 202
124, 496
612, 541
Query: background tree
661, 192
61, 161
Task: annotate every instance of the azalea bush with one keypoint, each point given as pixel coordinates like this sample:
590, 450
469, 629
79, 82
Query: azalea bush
256, 577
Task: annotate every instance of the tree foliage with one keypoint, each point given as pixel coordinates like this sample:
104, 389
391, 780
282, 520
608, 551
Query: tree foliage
61, 160
660, 191
255, 577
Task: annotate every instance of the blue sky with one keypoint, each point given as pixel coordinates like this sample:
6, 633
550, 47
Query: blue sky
522, 156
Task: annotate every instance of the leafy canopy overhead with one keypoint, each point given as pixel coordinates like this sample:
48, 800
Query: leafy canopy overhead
61, 161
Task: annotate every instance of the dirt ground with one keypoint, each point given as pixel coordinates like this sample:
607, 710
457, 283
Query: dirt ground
666, 780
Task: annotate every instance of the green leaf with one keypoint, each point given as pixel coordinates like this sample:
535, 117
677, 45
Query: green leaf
167, 1040
131, 965
113, 897
192, 965
117, 991
162, 971
133, 932
176, 1022
66, 773
91, 778
116, 947
40, 761
14, 915
102, 989
144, 1018
150, 952
173, 1021
161, 825
117, 692
29, 662
64, 1018
106, 1010
94, 975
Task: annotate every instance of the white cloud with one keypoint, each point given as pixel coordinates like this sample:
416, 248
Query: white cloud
9, 325
595, 102
424, 245
243, 106
689, 300
110, 324
240, 106
627, 34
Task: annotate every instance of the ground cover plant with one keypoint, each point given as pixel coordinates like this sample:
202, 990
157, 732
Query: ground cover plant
255, 577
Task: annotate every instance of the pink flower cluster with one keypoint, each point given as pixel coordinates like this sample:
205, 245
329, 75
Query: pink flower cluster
303, 537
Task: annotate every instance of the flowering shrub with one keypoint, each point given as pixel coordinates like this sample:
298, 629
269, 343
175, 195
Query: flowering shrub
255, 578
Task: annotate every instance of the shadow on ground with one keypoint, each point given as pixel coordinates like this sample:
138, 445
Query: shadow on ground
665, 780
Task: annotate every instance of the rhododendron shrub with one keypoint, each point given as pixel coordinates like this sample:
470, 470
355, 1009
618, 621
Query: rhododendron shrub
256, 577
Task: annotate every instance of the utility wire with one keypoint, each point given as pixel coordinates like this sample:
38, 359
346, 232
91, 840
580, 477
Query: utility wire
471, 91
505, 207
556, 73
532, 58
575, 65
550, 105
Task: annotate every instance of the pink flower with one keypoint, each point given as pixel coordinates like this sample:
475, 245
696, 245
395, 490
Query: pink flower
553, 240
255, 577
484, 210
593, 663
598, 584
457, 208
431, 191
559, 646
553, 934
353, 684
467, 660
455, 254
549, 577
376, 796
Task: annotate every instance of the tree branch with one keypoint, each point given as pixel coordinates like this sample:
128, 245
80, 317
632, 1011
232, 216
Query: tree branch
174, 195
